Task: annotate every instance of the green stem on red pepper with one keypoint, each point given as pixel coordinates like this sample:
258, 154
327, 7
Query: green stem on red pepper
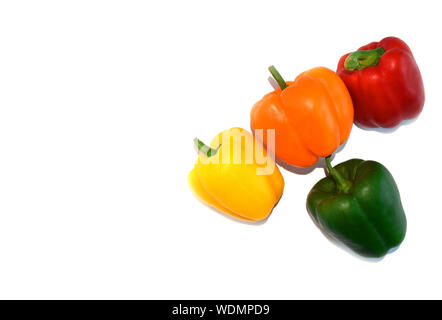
205, 149
342, 184
277, 76
363, 59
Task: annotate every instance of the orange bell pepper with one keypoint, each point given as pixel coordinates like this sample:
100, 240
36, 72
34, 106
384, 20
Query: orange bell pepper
312, 116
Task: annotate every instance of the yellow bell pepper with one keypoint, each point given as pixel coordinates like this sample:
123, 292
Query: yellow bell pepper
236, 176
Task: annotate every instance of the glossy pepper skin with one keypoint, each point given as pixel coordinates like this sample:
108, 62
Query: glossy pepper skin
312, 116
359, 205
233, 184
384, 82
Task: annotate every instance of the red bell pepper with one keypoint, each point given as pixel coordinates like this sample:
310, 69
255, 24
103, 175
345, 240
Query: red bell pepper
384, 82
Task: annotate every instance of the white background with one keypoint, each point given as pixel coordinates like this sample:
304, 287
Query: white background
99, 103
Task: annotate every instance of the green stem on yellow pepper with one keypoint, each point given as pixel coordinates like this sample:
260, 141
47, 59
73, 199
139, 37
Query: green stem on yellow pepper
277, 76
205, 149
342, 184
363, 59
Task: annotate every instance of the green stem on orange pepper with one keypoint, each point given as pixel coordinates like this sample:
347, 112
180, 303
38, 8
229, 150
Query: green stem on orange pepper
277, 76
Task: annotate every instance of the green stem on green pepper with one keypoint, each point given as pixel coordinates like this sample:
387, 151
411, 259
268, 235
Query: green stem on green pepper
342, 184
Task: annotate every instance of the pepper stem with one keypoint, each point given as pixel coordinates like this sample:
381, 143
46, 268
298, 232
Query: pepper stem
205, 149
277, 76
342, 184
363, 59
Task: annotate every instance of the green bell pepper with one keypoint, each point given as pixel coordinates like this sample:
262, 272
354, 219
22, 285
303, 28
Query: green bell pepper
359, 205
